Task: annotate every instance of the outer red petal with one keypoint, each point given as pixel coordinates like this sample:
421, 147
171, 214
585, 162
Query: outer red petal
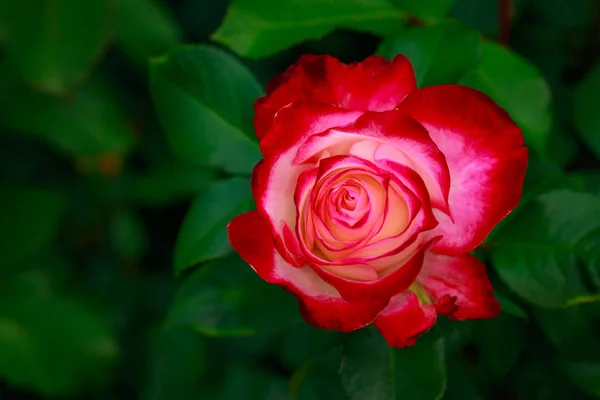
298, 121
486, 157
464, 280
274, 178
320, 303
405, 319
374, 84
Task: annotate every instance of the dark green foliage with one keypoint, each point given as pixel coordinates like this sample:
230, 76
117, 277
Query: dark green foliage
127, 145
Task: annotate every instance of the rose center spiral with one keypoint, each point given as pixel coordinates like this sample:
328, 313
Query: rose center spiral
348, 203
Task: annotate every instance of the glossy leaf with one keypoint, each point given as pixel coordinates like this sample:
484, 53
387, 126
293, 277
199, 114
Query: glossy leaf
510, 307
203, 235
371, 369
145, 29
540, 380
204, 99
500, 342
176, 365
585, 109
318, 378
517, 86
440, 54
426, 10
255, 28
585, 375
90, 124
456, 334
461, 385
300, 343
571, 331
53, 44
30, 219
226, 298
536, 254
249, 381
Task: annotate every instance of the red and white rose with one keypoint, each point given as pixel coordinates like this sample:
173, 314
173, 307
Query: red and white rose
371, 195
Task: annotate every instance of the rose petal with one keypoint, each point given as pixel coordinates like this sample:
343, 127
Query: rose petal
325, 79
399, 139
336, 241
319, 302
304, 225
355, 272
274, 178
298, 121
398, 214
381, 289
364, 148
485, 154
405, 319
421, 219
293, 250
462, 278
376, 191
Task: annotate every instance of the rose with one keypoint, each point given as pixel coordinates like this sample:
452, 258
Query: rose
371, 195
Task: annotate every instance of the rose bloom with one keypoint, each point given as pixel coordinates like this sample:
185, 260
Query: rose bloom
372, 193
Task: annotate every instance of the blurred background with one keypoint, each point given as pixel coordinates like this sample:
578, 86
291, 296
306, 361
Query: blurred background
113, 122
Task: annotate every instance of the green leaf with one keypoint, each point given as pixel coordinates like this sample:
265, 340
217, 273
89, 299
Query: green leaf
440, 54
510, 307
371, 369
499, 342
461, 385
144, 29
166, 184
89, 124
427, 10
585, 110
53, 44
176, 365
204, 99
517, 86
584, 375
30, 219
537, 253
203, 235
571, 331
250, 381
53, 345
255, 28
538, 379
456, 334
318, 378
226, 298
302, 342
